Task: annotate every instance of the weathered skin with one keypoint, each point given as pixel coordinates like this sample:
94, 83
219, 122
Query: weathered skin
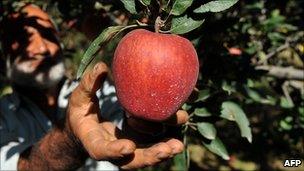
154, 73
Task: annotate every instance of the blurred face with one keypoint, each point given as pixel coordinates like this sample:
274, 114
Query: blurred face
37, 56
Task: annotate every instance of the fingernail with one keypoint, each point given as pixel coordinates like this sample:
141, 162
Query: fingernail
95, 69
162, 155
126, 151
175, 150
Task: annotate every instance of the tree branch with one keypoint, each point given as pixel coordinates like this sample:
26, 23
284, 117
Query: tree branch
271, 54
282, 72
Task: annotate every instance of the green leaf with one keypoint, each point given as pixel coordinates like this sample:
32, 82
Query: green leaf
180, 161
215, 6
216, 146
180, 6
275, 36
207, 130
301, 111
286, 123
301, 116
186, 107
289, 27
145, 2
203, 112
5, 90
253, 94
285, 103
130, 6
228, 88
234, 112
256, 5
184, 24
203, 95
101, 40
256, 97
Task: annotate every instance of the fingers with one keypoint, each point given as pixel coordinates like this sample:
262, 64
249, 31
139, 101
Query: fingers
154, 154
179, 118
106, 150
149, 156
100, 142
120, 147
92, 80
176, 145
89, 84
102, 149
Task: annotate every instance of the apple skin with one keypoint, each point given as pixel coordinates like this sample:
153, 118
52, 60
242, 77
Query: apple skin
154, 73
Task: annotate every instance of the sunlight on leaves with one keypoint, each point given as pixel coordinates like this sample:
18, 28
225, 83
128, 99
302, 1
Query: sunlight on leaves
234, 112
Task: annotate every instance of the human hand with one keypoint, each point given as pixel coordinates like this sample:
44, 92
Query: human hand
101, 139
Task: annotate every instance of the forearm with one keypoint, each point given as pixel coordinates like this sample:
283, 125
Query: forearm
58, 150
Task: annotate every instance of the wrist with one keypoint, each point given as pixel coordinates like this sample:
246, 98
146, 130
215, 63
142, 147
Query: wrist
57, 150
73, 140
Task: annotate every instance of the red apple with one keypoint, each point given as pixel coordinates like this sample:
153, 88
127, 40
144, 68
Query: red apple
154, 73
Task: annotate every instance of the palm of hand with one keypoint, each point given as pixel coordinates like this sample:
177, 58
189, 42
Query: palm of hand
101, 139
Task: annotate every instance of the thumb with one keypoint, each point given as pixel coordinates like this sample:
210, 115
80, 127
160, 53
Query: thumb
92, 80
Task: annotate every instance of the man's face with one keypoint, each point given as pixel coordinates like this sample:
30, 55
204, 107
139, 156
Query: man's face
37, 59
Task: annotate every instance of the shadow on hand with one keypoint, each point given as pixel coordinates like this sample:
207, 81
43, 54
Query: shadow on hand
146, 133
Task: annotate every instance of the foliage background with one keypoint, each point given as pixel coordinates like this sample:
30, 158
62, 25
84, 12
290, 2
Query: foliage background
236, 49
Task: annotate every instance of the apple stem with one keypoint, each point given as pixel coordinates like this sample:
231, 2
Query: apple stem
158, 24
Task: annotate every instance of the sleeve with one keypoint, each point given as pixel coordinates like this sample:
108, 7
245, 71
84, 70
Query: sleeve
10, 155
8, 162
11, 145
10, 149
